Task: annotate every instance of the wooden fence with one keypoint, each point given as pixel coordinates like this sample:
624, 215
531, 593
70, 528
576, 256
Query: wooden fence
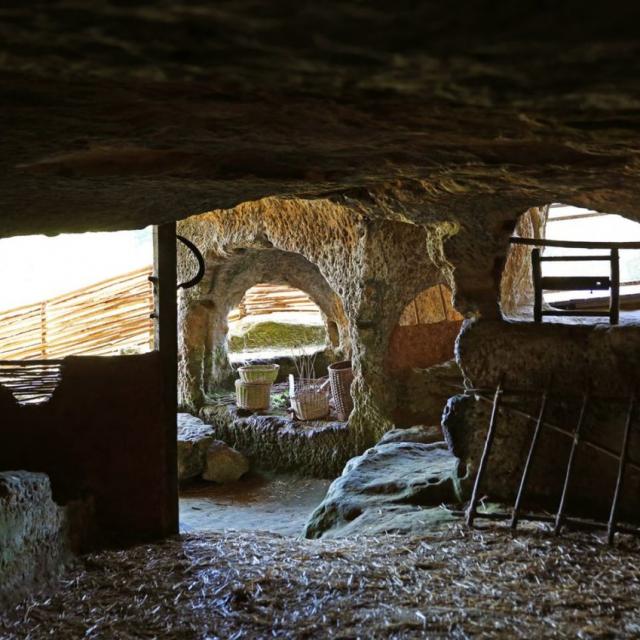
106, 318
266, 299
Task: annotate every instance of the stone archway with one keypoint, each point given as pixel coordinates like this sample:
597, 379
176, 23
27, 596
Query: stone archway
204, 362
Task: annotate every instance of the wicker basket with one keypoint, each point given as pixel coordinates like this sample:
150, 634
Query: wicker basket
259, 373
341, 377
310, 400
253, 395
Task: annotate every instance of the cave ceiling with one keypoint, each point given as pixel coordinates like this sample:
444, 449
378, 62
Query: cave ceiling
121, 114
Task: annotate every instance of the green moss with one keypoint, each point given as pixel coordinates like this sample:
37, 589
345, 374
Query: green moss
272, 335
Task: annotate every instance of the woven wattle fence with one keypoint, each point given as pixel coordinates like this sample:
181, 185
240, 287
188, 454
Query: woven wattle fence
107, 318
266, 298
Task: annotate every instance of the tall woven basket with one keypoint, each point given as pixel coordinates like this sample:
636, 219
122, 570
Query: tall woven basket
341, 377
254, 396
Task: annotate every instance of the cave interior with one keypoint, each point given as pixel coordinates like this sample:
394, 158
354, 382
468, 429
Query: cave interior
443, 200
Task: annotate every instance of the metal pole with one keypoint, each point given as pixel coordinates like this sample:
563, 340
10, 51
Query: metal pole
527, 465
572, 456
611, 529
471, 511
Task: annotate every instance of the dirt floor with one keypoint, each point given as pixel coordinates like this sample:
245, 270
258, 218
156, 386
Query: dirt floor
277, 503
457, 584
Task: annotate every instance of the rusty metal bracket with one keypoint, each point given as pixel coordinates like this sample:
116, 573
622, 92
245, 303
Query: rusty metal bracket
201, 266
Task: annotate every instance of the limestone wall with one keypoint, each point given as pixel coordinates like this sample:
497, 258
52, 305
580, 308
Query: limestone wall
33, 535
571, 360
516, 286
361, 272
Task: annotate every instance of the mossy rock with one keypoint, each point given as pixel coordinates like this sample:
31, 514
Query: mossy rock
270, 335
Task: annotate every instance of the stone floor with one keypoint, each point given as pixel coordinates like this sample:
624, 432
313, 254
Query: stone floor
275, 503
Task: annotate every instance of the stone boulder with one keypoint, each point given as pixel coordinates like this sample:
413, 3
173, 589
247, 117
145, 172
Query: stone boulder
386, 490
33, 533
224, 464
194, 438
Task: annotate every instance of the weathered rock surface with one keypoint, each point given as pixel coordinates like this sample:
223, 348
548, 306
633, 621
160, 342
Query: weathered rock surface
384, 490
275, 443
600, 358
183, 108
224, 464
423, 393
33, 536
194, 438
421, 433
351, 266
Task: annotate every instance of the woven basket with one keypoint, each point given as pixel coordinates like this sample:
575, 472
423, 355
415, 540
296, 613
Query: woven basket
310, 400
253, 395
341, 377
259, 373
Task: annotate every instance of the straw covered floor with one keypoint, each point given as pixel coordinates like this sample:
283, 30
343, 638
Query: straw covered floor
251, 585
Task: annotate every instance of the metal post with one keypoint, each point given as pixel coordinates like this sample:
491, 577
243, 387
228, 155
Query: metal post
572, 455
471, 511
611, 529
527, 465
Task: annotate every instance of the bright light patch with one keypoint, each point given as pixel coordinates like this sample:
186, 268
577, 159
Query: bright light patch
36, 268
573, 223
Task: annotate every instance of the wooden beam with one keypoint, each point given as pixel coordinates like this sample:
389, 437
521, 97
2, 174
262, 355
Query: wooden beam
166, 341
571, 244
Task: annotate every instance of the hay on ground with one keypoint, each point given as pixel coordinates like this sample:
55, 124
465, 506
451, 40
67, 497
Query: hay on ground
458, 584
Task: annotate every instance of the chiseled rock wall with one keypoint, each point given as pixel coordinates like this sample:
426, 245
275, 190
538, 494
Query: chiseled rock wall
574, 358
317, 449
33, 533
361, 271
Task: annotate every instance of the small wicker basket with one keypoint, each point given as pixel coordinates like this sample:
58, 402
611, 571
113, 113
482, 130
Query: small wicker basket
259, 373
253, 395
341, 377
310, 400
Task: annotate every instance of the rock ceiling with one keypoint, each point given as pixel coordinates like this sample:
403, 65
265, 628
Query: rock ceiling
119, 114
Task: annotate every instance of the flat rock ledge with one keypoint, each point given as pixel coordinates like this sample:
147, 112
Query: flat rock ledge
317, 449
33, 534
394, 487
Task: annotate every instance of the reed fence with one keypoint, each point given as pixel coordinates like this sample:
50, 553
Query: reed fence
107, 318
266, 299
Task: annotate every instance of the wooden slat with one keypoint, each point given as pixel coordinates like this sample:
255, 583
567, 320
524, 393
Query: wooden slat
573, 244
575, 283
100, 319
264, 299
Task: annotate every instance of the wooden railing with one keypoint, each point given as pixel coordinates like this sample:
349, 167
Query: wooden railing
266, 299
107, 318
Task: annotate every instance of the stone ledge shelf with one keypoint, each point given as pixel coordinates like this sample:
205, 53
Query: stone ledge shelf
273, 442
